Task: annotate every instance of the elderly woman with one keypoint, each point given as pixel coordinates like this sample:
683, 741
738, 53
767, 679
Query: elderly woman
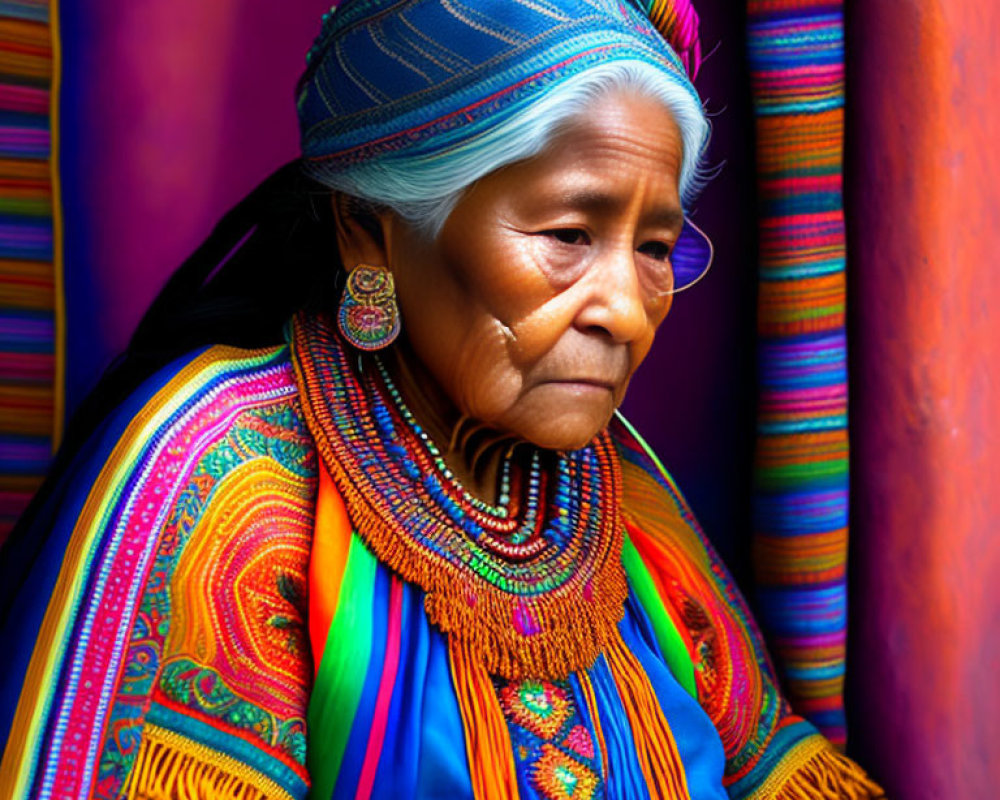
403, 546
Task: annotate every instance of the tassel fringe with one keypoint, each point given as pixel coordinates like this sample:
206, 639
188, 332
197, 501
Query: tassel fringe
816, 771
587, 687
487, 738
170, 766
654, 742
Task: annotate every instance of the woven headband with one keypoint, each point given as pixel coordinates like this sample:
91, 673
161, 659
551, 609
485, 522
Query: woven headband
416, 76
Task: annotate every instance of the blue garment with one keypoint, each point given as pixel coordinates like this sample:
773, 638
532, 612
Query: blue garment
423, 755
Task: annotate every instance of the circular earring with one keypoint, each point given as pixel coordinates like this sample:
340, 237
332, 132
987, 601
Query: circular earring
369, 317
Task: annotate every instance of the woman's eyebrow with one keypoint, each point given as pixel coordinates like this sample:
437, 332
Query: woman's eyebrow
596, 201
671, 216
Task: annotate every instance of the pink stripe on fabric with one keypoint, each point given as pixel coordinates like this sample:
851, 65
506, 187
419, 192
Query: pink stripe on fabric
27, 366
818, 218
806, 183
782, 77
381, 716
819, 395
24, 98
818, 639
807, 397
815, 83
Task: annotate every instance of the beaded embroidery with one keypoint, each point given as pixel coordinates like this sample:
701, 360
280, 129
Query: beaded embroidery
536, 590
538, 706
552, 744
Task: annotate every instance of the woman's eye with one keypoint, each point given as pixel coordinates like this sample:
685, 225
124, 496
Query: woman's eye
569, 236
659, 251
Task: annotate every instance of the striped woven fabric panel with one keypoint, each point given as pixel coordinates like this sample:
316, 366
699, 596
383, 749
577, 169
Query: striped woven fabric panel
27, 276
801, 481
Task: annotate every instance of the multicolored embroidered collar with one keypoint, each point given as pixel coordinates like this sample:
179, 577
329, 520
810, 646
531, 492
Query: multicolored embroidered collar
535, 589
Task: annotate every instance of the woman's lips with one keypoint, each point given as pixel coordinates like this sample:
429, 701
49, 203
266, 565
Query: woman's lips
583, 384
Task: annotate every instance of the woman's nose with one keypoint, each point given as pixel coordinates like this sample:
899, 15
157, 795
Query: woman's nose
614, 303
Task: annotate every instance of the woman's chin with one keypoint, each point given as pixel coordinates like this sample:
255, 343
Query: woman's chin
567, 431
562, 417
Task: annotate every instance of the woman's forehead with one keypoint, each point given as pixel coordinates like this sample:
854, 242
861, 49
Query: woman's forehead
618, 122
593, 163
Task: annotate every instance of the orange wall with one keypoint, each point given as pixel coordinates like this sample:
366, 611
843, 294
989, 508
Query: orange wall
924, 235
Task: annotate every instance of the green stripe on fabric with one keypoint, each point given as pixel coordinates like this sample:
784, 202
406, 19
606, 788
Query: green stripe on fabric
342, 672
675, 651
645, 448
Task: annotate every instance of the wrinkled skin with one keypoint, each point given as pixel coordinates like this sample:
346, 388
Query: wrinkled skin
541, 296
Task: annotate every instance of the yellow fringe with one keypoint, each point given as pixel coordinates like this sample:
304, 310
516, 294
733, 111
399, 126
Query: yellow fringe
590, 699
814, 770
170, 766
654, 742
487, 738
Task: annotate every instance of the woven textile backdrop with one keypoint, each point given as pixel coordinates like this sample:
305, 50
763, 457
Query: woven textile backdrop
30, 299
168, 113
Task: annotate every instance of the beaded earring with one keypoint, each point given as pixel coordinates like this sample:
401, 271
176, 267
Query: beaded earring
369, 317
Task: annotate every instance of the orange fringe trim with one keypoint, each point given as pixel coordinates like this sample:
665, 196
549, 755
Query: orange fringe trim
814, 770
591, 700
487, 738
575, 620
654, 742
170, 766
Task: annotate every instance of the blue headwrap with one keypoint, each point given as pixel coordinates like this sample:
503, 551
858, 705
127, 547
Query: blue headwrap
413, 78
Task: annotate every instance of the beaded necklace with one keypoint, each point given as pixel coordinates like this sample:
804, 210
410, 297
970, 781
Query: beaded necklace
473, 515
532, 586
501, 510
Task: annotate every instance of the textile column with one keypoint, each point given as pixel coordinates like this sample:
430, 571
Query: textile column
30, 313
800, 470
924, 218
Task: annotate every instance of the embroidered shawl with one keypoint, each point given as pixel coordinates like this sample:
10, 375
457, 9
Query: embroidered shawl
163, 645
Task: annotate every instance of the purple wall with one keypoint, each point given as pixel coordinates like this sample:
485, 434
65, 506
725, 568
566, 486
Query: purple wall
171, 113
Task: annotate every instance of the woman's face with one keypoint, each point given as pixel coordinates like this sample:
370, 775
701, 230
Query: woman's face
543, 292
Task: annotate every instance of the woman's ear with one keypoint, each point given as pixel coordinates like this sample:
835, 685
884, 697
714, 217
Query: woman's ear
361, 232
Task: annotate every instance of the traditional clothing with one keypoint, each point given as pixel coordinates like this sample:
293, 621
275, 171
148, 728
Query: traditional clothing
261, 580
220, 624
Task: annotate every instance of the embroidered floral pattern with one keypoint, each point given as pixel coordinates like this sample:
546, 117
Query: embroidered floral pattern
551, 740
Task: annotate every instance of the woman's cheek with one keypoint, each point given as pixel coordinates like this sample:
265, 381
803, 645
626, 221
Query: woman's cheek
485, 381
538, 331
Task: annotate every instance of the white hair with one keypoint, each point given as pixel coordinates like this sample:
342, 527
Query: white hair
424, 190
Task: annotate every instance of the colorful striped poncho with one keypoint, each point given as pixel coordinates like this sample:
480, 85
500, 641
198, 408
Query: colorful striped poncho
208, 620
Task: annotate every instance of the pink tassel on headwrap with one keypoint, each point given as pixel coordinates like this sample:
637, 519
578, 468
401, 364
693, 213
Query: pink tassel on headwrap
678, 22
